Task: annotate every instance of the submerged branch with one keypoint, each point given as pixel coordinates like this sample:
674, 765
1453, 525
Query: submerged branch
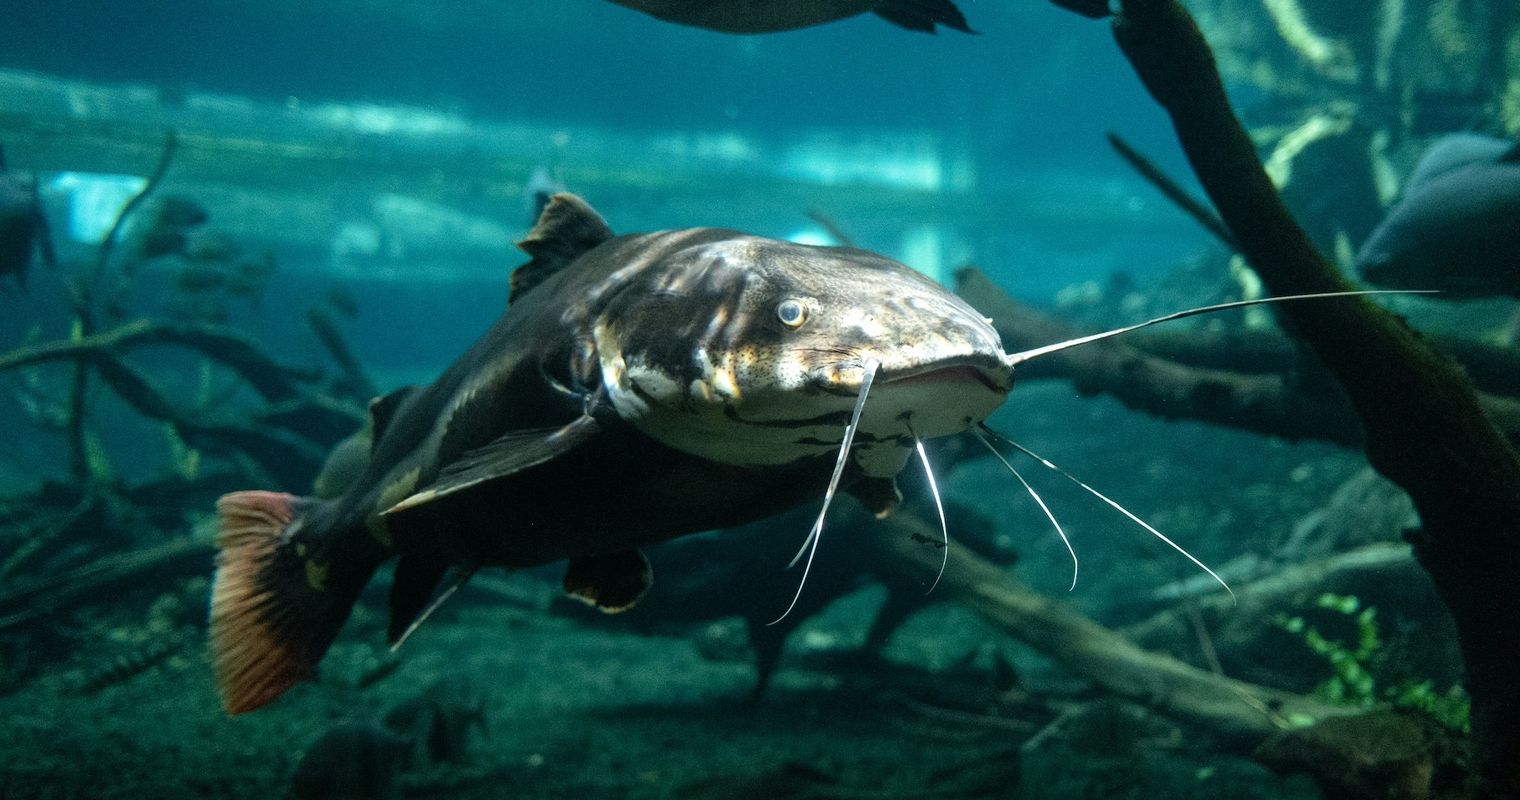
1190, 205
1271, 403
1425, 427
271, 379
99, 580
1241, 713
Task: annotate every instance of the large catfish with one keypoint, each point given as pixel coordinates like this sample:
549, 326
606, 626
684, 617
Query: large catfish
637, 388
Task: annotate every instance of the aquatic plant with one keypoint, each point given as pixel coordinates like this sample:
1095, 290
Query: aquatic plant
1355, 666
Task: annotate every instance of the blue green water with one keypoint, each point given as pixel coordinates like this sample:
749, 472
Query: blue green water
384, 156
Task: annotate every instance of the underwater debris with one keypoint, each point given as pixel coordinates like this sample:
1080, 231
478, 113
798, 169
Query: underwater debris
128, 665
97, 581
1456, 227
354, 382
353, 760
769, 16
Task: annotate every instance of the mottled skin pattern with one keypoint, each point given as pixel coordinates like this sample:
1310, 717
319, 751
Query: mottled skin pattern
698, 351
540, 365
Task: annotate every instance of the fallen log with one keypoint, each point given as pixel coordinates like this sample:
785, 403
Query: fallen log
97, 581
1275, 404
1241, 714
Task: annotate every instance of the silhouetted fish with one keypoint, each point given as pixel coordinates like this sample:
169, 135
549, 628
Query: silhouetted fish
1457, 228
768, 16
23, 228
636, 389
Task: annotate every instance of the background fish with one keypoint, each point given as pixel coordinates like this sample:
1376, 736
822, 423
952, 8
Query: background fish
767, 16
1457, 228
23, 228
636, 389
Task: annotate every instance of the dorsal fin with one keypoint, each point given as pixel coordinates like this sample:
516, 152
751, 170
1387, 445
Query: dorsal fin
567, 228
382, 410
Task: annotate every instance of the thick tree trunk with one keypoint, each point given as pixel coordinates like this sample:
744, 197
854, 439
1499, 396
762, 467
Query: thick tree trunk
1424, 428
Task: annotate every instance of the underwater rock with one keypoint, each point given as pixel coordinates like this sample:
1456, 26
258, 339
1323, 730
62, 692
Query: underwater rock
352, 760
768, 16
1458, 227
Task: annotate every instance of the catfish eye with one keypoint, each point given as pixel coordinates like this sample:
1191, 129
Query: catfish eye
792, 312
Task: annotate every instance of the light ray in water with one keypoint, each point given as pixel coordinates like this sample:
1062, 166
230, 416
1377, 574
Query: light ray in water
1105, 498
810, 544
939, 506
1037, 499
1014, 359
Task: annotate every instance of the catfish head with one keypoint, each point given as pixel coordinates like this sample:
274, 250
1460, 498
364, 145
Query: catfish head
753, 351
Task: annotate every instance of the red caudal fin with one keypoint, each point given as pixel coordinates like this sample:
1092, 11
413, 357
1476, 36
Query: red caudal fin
275, 605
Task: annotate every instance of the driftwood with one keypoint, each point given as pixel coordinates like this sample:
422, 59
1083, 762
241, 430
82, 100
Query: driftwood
356, 381
1383, 576
1271, 403
94, 582
272, 380
83, 293
1493, 369
1240, 713
1424, 426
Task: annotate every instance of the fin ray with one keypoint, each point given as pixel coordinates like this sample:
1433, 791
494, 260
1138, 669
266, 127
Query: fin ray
273, 615
567, 228
506, 455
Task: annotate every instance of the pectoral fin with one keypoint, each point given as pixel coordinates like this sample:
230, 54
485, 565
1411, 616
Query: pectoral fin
612, 583
507, 455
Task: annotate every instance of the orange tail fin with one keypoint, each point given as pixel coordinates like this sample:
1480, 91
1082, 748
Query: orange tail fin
274, 611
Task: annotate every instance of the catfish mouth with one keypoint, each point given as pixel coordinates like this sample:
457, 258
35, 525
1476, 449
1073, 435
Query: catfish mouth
987, 371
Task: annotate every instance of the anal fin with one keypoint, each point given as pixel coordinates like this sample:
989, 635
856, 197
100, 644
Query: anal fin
612, 583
